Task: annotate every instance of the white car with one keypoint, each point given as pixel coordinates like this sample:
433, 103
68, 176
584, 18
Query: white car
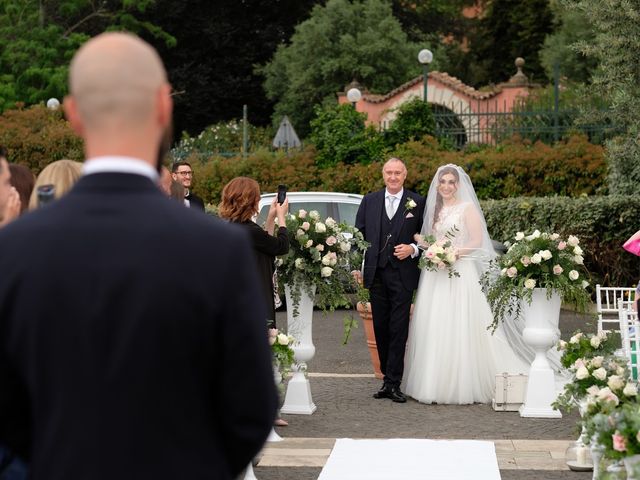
342, 207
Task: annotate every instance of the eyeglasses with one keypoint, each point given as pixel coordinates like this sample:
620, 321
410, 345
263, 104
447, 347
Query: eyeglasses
185, 174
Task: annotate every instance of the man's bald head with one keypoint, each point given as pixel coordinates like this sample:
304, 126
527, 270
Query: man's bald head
114, 79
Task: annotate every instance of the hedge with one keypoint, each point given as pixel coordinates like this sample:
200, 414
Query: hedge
572, 167
602, 223
36, 136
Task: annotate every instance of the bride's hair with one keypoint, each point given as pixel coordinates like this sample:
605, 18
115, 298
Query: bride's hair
443, 171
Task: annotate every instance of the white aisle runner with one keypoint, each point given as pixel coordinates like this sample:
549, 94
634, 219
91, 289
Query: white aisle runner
409, 459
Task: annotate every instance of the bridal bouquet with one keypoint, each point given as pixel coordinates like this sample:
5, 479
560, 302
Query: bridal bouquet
437, 254
322, 253
537, 260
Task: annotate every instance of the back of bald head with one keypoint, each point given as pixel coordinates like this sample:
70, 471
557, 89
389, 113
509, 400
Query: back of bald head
114, 79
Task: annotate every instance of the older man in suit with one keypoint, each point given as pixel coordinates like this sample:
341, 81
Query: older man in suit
389, 219
112, 363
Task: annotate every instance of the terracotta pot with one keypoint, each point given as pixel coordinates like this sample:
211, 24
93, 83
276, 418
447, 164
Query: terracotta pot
364, 310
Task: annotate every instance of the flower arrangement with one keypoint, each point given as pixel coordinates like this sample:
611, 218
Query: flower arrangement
538, 260
437, 254
281, 346
586, 346
618, 431
322, 253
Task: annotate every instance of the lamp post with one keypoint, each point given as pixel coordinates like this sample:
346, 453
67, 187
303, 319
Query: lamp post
425, 57
354, 95
53, 104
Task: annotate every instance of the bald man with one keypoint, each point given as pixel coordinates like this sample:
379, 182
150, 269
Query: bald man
102, 375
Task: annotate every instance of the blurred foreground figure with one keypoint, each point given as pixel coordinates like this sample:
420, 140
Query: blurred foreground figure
102, 375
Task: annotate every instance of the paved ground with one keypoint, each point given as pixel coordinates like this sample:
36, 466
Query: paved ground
342, 384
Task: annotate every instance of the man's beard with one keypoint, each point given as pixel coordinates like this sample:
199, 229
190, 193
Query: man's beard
165, 146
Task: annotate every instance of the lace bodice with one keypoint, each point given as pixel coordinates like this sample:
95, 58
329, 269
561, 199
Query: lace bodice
450, 217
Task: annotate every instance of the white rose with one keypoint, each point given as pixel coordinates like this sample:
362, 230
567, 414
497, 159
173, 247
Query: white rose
345, 246
321, 227
573, 275
573, 241
600, 373
630, 390
320, 247
300, 233
582, 373
562, 345
299, 263
534, 235
554, 236
330, 222
314, 214
596, 362
302, 213
579, 259
512, 272
576, 338
546, 254
620, 371
593, 390
615, 382
503, 272
308, 244
283, 339
326, 272
595, 342
451, 257
536, 258
331, 240
585, 284
519, 236
530, 283
604, 393
577, 250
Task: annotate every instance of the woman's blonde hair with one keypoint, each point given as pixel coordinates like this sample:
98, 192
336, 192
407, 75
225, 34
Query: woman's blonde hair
240, 198
62, 174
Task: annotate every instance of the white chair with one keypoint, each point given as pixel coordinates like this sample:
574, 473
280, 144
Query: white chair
607, 306
630, 334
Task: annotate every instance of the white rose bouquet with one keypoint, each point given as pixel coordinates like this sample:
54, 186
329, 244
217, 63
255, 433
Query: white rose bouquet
537, 260
322, 252
281, 347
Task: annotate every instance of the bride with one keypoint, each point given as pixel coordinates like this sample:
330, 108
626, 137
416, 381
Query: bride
451, 357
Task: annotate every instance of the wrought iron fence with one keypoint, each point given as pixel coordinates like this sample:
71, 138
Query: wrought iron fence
460, 125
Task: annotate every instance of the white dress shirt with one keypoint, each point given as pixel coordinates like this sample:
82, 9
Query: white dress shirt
119, 164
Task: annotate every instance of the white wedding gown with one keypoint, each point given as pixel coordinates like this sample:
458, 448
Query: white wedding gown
451, 357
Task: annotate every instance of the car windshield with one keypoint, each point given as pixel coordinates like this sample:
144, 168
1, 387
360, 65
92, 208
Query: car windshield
325, 210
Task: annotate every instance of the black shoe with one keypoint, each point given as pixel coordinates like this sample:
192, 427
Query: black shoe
384, 392
396, 395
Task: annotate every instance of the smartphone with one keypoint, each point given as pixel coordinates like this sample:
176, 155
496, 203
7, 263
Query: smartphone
46, 193
282, 193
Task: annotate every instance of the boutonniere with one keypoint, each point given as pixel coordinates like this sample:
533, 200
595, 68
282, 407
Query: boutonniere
410, 205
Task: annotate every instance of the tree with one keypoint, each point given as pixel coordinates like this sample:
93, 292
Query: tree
616, 47
218, 45
509, 29
37, 41
414, 121
341, 41
571, 27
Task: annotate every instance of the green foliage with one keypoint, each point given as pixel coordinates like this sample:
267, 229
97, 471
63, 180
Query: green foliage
571, 26
615, 45
342, 40
340, 136
36, 136
602, 223
224, 138
414, 120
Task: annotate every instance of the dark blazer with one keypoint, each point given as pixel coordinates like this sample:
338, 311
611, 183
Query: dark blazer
132, 338
195, 201
266, 247
406, 223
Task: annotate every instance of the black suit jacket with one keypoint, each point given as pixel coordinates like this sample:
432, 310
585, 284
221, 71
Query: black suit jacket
406, 223
132, 338
195, 201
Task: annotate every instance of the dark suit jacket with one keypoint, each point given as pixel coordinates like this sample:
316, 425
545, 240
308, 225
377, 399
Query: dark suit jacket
195, 201
406, 223
132, 338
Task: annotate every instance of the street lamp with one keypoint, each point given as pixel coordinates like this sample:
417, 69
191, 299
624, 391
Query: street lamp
354, 95
53, 104
425, 57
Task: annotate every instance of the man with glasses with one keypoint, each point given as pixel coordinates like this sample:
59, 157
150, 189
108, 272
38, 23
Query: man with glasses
183, 174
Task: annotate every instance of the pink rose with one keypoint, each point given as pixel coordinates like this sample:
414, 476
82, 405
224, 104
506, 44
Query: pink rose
273, 333
562, 245
525, 261
512, 272
557, 269
619, 442
305, 226
302, 214
429, 254
331, 240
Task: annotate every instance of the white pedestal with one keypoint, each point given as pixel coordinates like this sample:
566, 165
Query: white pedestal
541, 333
273, 436
248, 473
298, 397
